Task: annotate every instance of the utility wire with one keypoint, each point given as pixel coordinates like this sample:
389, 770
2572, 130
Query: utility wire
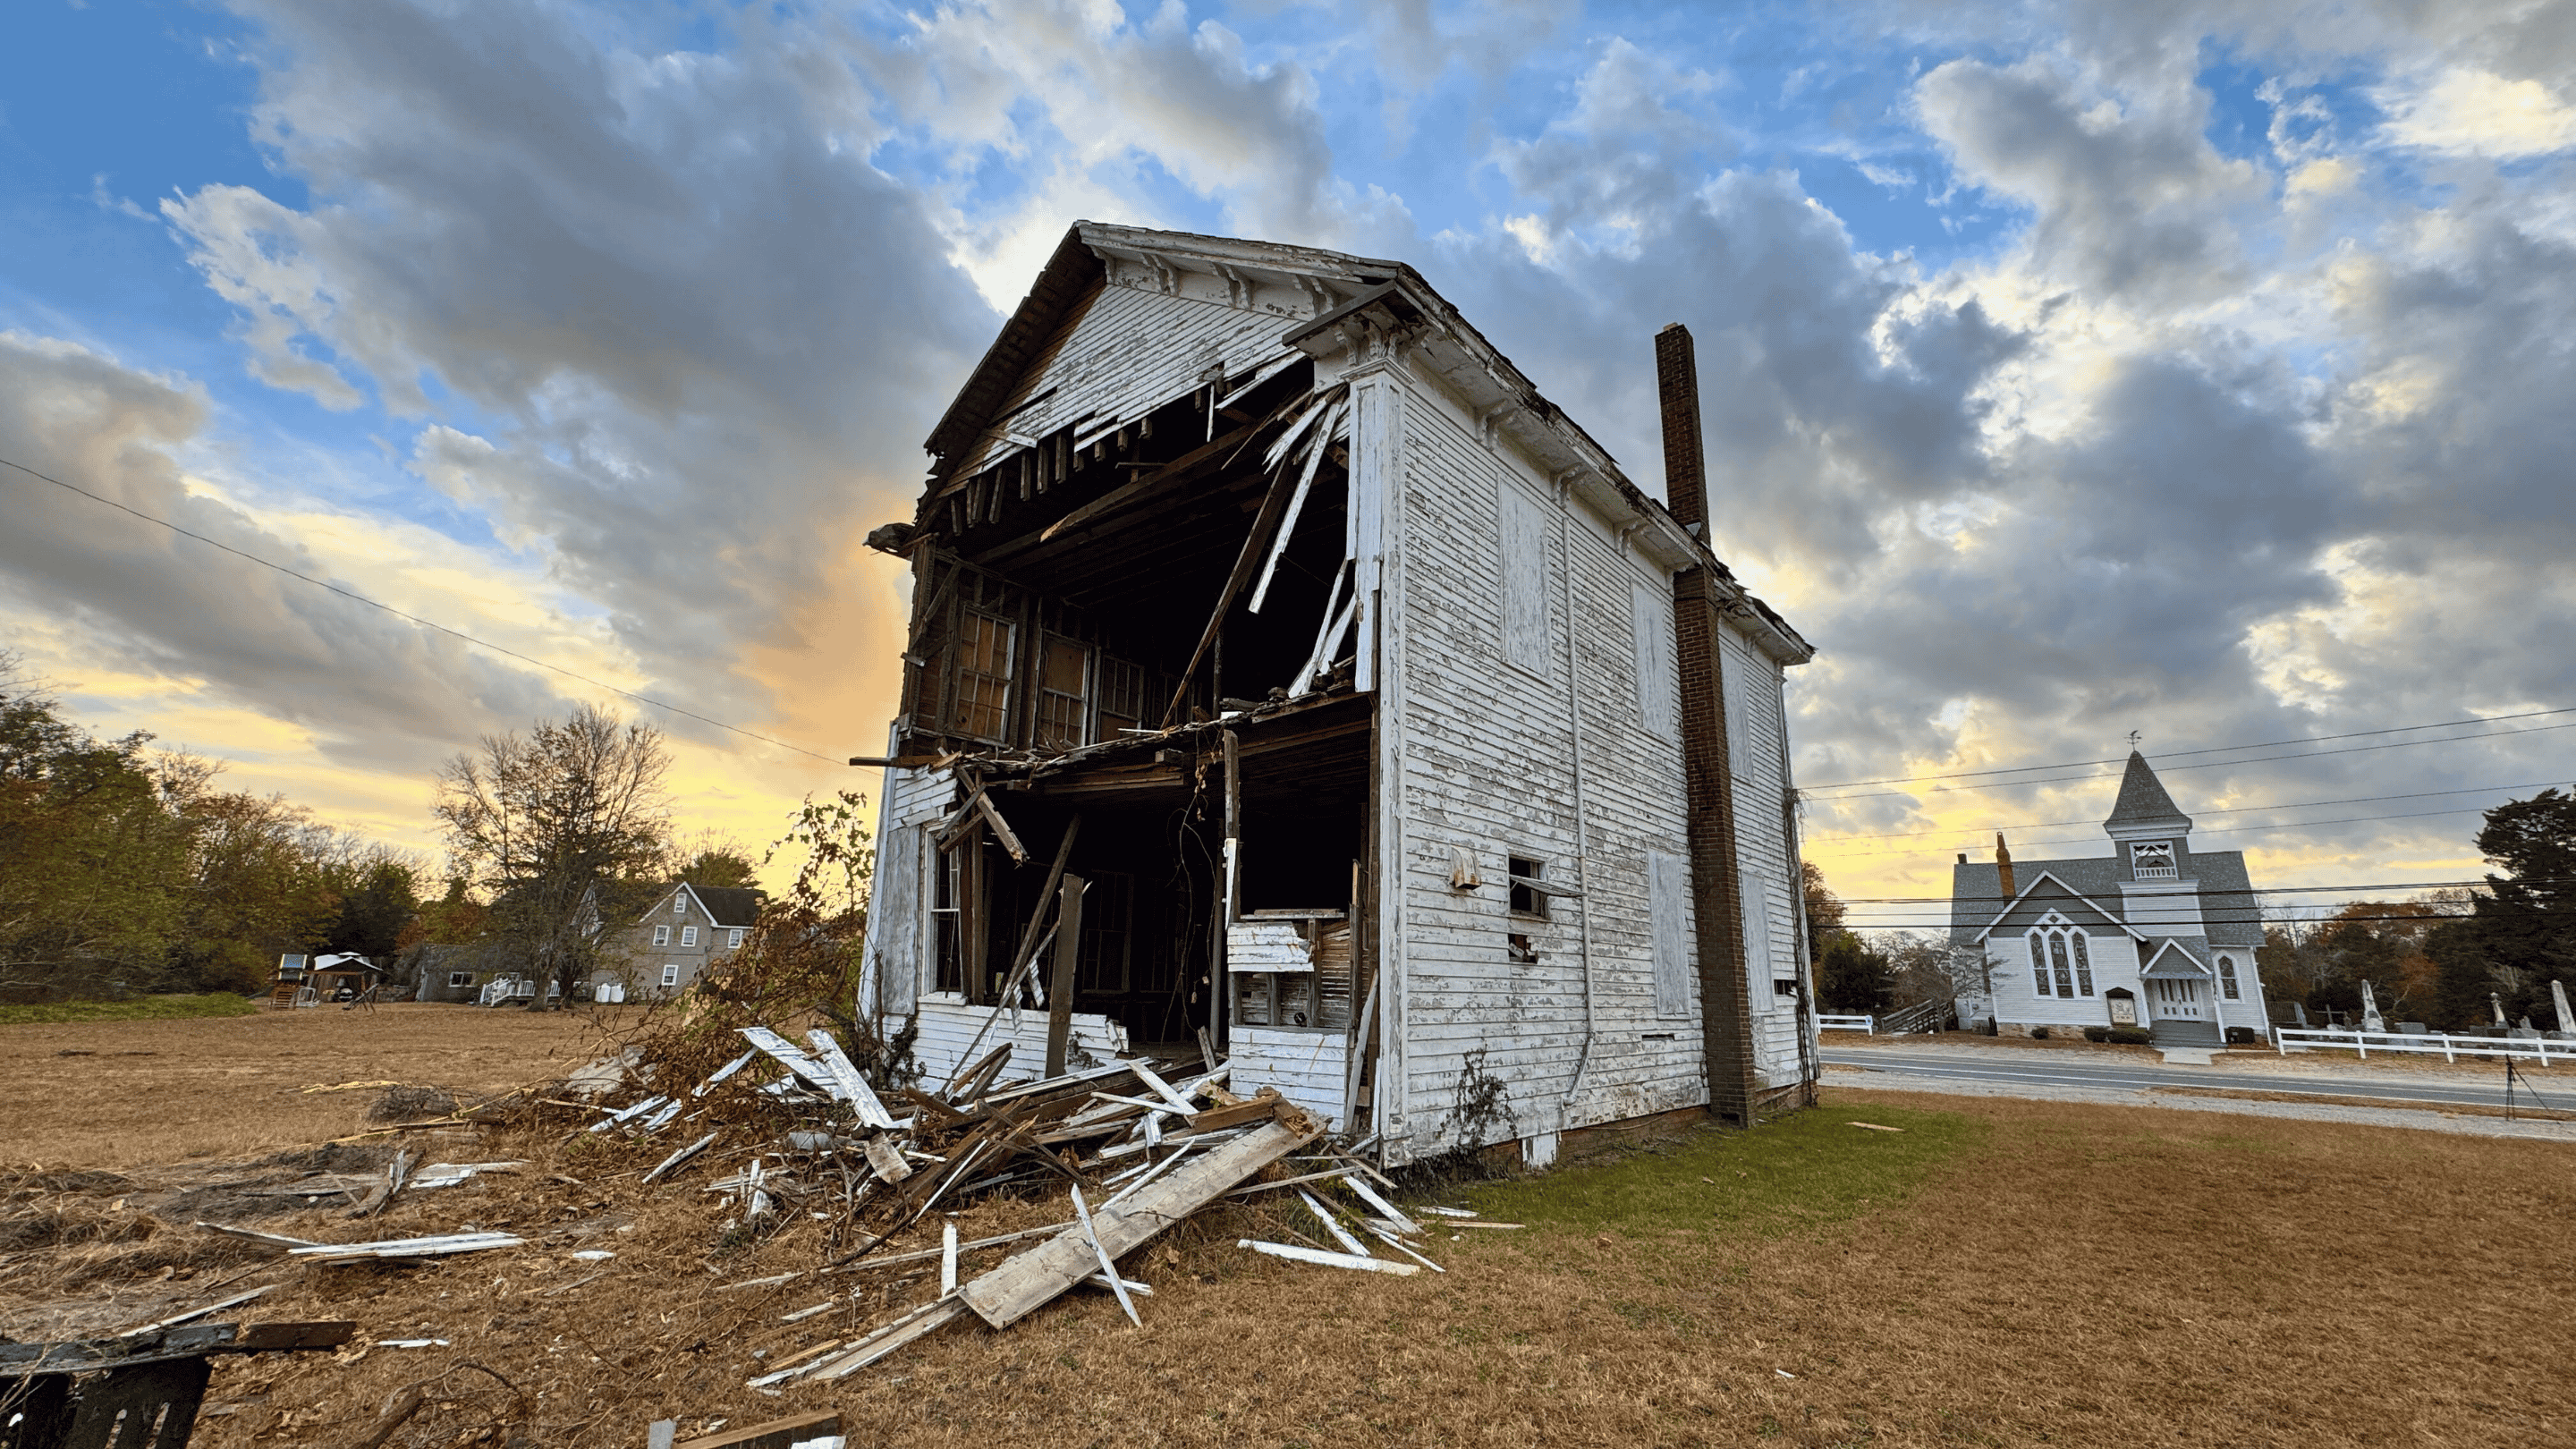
2310, 890
2232, 830
2231, 810
415, 618
2210, 750
2204, 765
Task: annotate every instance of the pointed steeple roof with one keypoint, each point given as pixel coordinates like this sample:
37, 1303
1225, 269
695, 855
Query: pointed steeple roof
2144, 806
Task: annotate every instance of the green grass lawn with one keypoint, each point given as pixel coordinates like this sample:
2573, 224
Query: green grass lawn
1807, 1169
139, 1008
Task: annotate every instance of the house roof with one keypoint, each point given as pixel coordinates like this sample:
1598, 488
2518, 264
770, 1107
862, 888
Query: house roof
2174, 959
1336, 285
2143, 803
2231, 915
724, 905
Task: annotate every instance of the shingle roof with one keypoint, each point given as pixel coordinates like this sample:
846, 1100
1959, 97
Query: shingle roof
729, 905
2228, 907
2143, 800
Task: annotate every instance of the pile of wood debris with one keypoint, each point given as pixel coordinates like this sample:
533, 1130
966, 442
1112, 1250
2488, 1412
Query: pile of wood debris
793, 1137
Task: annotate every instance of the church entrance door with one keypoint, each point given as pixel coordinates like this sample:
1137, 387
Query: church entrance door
2179, 1000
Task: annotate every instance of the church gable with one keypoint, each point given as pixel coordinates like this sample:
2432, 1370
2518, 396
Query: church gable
2048, 895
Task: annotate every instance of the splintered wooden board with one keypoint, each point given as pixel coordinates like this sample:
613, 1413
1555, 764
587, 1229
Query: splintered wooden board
1035, 1278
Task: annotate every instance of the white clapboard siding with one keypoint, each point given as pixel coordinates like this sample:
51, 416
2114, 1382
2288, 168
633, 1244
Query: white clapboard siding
1267, 946
1133, 349
896, 966
949, 1025
1308, 1067
1485, 762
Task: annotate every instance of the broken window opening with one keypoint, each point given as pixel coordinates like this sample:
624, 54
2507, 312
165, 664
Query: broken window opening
1529, 892
1122, 698
1064, 694
980, 701
1519, 950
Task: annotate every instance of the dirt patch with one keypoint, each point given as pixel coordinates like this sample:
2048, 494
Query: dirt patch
234, 1088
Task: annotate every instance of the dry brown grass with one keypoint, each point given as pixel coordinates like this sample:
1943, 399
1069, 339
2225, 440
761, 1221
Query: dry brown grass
117, 1094
2074, 1275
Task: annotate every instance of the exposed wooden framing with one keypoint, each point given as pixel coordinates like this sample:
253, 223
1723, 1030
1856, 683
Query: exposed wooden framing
1002, 830
1315, 451
1274, 503
1068, 952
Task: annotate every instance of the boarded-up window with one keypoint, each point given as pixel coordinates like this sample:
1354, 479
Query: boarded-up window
981, 702
1668, 909
1739, 710
1064, 694
1658, 671
1757, 927
1524, 566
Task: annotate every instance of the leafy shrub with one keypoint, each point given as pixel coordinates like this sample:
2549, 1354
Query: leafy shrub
2039, 1033
2097, 1033
2131, 1036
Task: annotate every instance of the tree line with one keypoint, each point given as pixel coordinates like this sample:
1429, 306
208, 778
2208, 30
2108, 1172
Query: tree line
127, 869
2448, 958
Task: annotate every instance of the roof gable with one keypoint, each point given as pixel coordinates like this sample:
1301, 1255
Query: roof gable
2046, 893
2172, 960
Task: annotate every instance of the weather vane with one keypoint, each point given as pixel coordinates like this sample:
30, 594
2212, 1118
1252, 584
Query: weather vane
2133, 739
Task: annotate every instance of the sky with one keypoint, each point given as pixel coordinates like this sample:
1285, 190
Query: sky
2198, 371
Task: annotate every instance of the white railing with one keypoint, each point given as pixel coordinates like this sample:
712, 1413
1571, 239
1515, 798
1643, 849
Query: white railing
2450, 1047
1846, 1023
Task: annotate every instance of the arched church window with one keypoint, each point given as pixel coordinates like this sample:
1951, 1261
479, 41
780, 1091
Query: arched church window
2038, 963
2227, 978
2057, 959
2061, 959
2083, 967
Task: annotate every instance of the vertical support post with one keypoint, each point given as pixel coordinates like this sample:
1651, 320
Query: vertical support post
1233, 825
1068, 951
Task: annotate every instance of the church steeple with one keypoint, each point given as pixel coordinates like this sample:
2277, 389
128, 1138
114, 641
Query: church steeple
2144, 809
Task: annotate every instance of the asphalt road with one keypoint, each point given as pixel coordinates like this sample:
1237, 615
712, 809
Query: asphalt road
2047, 1069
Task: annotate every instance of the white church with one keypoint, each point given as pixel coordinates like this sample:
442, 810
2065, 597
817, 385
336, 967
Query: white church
2156, 935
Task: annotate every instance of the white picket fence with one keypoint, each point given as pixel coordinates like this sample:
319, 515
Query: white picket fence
2451, 1048
1847, 1023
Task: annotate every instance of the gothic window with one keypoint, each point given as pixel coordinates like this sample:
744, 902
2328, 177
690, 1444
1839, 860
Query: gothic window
2061, 960
2227, 978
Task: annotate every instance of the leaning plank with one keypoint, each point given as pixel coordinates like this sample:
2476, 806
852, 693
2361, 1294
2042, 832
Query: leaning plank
776, 1434
919, 1323
1108, 1266
854, 1087
625, 1113
1390, 1211
1329, 1260
788, 1056
430, 1247
177, 1318
676, 1158
1035, 1278
1333, 1225
277, 1242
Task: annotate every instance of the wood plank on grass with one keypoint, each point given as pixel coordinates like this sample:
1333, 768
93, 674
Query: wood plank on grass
1035, 1278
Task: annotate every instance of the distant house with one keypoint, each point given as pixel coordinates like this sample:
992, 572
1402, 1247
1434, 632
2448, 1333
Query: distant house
687, 929
2157, 935
339, 976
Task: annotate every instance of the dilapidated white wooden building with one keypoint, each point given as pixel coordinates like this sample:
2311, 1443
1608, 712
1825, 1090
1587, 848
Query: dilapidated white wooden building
1289, 681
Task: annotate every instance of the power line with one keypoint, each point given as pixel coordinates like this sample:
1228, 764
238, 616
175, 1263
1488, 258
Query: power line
2231, 810
2234, 830
2205, 765
2209, 750
2250, 890
415, 618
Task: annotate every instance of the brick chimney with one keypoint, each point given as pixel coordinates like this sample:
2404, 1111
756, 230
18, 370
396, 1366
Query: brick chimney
1685, 468
1726, 987
2003, 867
